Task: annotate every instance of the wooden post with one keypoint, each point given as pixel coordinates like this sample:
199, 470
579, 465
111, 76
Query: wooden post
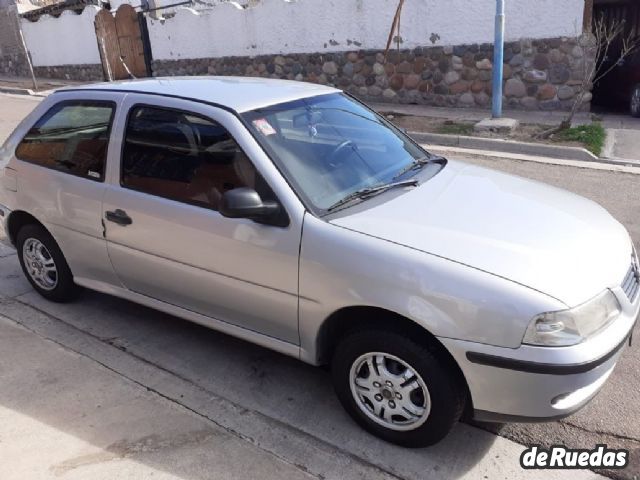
105, 58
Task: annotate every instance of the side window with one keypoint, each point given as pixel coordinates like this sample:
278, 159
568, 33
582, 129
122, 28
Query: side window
71, 137
183, 157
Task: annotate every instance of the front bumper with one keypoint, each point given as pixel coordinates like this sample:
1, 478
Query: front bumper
542, 383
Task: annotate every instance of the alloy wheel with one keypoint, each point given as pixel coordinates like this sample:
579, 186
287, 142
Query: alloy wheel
389, 391
40, 264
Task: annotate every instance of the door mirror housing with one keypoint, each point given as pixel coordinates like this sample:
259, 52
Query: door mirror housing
245, 202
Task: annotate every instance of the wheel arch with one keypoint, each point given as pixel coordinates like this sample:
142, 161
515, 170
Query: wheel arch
348, 319
18, 219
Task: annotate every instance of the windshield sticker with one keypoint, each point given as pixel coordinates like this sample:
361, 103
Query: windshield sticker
264, 127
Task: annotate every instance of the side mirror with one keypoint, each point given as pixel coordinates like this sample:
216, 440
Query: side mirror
246, 203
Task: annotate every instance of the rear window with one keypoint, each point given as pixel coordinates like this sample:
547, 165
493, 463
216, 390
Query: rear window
71, 137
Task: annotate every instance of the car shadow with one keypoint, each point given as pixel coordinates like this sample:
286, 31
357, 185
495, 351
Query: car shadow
253, 378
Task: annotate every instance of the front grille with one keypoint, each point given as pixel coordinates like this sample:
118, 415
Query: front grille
631, 282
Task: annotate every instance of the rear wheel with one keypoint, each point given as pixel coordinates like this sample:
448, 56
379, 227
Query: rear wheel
635, 101
44, 264
396, 388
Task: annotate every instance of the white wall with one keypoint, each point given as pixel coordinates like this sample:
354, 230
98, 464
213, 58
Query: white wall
67, 40
252, 27
295, 26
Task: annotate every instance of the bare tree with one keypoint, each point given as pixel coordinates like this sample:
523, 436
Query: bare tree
597, 62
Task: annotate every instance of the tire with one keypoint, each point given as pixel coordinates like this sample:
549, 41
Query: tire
442, 404
44, 264
635, 101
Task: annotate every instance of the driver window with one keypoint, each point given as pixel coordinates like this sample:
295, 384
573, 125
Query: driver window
183, 157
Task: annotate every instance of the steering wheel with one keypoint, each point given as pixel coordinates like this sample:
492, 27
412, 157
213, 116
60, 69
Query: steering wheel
341, 148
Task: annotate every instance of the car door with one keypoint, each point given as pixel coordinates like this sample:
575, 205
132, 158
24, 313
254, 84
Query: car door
60, 166
165, 236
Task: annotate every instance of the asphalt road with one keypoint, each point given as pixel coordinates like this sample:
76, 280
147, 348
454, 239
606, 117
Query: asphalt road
109, 388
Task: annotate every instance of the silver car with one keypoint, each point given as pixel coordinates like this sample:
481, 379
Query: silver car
292, 216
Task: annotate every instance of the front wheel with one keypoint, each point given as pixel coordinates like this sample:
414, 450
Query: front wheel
396, 388
635, 101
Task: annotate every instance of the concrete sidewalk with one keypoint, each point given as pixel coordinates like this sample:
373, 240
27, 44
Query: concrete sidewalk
609, 120
66, 416
623, 131
622, 144
24, 86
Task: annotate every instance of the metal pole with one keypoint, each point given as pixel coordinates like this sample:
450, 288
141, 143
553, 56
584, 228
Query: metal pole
498, 55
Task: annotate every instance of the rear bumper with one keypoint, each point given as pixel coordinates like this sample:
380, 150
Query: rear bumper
536, 384
4, 216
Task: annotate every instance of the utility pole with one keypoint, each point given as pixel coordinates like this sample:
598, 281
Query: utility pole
497, 123
498, 56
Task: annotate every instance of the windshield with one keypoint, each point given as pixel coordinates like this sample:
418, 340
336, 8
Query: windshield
331, 146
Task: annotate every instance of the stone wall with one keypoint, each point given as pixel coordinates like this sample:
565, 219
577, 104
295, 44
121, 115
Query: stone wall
14, 65
539, 74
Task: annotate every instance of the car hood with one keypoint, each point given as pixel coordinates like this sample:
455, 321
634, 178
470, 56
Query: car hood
542, 237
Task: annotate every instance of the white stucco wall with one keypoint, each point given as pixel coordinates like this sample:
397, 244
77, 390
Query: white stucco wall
296, 26
67, 40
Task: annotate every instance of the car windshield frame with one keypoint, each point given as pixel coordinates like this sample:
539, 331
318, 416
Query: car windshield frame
248, 118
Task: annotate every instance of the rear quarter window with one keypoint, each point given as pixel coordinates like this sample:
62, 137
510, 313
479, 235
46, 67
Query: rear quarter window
71, 137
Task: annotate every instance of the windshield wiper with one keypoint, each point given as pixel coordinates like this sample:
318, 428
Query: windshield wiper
368, 192
417, 164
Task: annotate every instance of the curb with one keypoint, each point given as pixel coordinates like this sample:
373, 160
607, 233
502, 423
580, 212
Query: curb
609, 143
24, 91
506, 146
17, 91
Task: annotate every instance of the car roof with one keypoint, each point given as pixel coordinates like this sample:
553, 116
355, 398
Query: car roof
237, 93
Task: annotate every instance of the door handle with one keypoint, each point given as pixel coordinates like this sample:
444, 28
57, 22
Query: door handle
119, 216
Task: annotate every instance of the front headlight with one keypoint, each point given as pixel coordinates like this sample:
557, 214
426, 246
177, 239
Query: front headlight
569, 327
